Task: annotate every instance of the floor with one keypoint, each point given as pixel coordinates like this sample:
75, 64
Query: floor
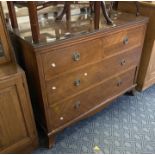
126, 126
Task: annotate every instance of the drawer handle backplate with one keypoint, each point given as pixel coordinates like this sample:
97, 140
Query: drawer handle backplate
77, 105
76, 56
125, 40
123, 62
119, 83
53, 65
77, 82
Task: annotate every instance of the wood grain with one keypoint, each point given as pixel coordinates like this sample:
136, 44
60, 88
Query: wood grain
64, 86
17, 127
146, 76
105, 61
18, 132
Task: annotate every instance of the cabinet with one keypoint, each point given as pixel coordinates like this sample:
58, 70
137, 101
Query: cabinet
17, 127
5, 54
146, 76
73, 78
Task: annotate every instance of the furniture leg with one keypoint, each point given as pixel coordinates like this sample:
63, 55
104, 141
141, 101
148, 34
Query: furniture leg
32, 8
91, 7
12, 14
97, 14
137, 9
131, 92
51, 140
104, 10
66, 10
115, 5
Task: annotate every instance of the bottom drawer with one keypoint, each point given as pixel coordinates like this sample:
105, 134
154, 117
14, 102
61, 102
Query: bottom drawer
62, 113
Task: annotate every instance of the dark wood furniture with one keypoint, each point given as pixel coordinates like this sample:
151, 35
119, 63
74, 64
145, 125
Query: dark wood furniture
17, 127
5, 55
146, 76
94, 6
32, 8
73, 78
18, 132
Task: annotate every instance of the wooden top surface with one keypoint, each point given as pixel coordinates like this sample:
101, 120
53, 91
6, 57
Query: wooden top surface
149, 3
9, 70
55, 32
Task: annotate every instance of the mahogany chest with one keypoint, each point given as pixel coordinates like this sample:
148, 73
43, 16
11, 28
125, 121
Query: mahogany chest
73, 78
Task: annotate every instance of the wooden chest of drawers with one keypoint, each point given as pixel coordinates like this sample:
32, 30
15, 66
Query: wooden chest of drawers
72, 79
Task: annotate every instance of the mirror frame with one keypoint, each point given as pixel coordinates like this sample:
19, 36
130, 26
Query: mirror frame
5, 41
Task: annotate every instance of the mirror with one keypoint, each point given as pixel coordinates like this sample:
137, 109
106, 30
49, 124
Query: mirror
5, 46
1, 50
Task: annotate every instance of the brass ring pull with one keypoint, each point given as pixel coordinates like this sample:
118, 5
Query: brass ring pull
125, 40
76, 56
77, 105
119, 83
123, 62
77, 82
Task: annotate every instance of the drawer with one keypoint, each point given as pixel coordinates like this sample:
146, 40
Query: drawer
120, 41
62, 60
70, 109
72, 83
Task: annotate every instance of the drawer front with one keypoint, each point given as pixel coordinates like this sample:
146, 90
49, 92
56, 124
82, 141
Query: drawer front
70, 109
118, 42
62, 60
72, 83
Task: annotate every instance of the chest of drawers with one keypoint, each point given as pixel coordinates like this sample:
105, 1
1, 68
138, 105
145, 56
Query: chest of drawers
74, 78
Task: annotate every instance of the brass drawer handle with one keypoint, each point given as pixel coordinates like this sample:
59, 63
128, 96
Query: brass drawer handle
119, 83
77, 82
125, 40
77, 105
76, 56
123, 61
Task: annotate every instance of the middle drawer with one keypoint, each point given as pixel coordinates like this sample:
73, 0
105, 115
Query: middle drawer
72, 83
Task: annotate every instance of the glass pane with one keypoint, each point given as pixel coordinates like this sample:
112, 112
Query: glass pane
1, 50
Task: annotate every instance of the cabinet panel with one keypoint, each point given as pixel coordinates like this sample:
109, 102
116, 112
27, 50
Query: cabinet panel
17, 128
12, 123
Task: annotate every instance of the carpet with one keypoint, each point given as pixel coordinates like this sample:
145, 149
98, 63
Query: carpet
126, 126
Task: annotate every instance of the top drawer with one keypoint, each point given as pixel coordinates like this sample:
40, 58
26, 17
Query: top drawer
62, 60
120, 41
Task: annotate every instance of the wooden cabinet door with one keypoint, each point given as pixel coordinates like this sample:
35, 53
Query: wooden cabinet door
17, 129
